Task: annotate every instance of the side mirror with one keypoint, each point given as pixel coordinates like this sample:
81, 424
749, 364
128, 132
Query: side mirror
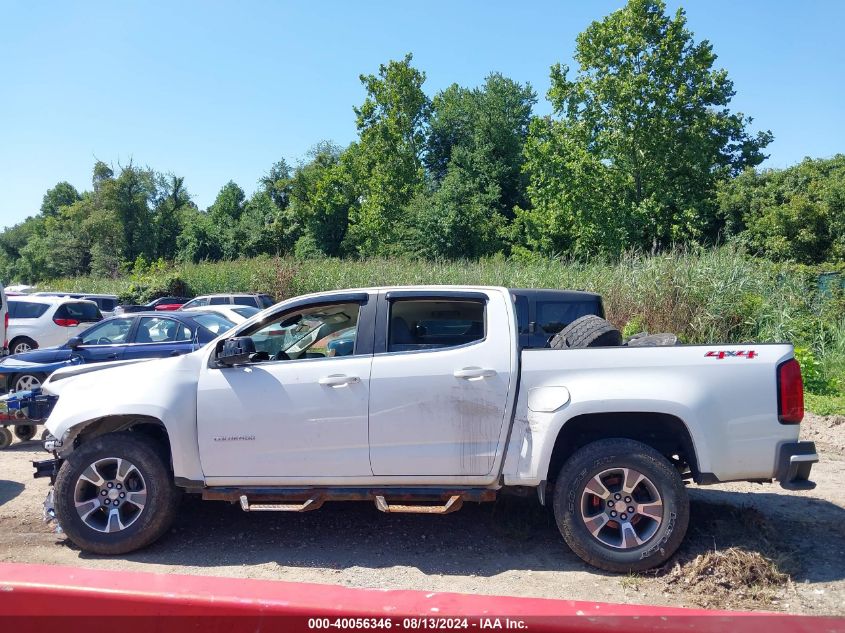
236, 351
74, 342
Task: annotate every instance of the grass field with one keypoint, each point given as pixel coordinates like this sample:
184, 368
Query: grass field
713, 295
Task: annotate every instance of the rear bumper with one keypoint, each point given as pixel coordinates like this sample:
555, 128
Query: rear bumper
795, 460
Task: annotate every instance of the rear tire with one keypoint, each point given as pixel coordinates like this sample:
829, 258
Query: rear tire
22, 344
115, 494
587, 331
594, 495
24, 432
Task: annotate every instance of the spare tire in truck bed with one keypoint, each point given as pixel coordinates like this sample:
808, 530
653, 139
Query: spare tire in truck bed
587, 331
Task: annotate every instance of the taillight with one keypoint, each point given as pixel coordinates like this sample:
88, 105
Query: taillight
66, 322
790, 392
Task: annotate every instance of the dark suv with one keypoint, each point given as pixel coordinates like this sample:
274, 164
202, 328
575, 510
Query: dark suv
541, 314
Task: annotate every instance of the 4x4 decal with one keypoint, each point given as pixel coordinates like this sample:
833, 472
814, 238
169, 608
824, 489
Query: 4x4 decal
727, 354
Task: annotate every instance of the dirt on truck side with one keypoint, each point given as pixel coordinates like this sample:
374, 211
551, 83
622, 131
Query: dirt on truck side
749, 546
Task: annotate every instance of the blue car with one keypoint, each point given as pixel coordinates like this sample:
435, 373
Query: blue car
125, 337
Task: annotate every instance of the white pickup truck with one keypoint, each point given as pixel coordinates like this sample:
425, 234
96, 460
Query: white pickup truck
420, 399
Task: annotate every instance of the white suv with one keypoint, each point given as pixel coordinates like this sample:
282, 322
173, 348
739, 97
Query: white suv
259, 301
47, 321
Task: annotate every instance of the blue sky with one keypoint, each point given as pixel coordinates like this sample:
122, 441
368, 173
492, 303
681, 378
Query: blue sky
220, 90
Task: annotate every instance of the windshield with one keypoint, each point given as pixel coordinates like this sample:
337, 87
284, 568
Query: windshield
214, 323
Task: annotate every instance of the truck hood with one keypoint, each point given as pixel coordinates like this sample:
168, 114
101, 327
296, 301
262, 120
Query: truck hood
60, 378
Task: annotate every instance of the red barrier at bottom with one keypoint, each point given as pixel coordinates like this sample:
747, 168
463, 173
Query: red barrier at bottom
42, 597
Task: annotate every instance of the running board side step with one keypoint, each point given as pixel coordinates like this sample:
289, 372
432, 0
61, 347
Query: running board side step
309, 504
454, 503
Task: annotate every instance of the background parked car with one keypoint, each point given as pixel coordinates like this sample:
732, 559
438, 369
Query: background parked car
257, 300
141, 335
46, 321
237, 314
106, 303
162, 303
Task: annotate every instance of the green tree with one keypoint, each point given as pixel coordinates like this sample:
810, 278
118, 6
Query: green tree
459, 220
123, 204
793, 214
387, 165
62, 195
254, 234
276, 183
322, 192
171, 199
201, 239
645, 121
484, 131
225, 214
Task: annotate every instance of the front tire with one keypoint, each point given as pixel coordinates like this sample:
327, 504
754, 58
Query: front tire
27, 381
115, 494
621, 506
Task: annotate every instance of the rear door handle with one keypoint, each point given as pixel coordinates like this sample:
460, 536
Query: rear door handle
474, 372
338, 380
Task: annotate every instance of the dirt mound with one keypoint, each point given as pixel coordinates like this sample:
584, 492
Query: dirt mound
828, 432
728, 578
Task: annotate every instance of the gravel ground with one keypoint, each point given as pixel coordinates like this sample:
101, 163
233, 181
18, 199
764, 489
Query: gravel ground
508, 548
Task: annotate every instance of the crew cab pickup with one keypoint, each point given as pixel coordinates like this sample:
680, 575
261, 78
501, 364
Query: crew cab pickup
421, 399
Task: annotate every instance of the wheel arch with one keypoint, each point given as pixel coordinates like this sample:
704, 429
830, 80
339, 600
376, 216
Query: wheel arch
664, 432
147, 425
19, 337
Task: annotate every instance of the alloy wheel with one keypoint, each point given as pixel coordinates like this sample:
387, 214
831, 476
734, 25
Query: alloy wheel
27, 382
621, 508
110, 494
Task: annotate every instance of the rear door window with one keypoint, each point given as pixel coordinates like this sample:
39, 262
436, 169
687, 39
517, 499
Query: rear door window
81, 311
26, 309
219, 301
159, 330
433, 324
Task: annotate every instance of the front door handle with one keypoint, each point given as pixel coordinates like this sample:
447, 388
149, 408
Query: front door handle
338, 380
474, 372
